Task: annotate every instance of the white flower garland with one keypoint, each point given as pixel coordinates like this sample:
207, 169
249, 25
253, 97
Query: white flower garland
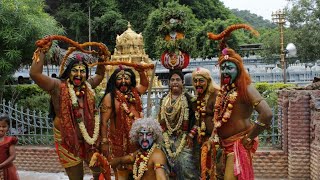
143, 166
82, 127
168, 148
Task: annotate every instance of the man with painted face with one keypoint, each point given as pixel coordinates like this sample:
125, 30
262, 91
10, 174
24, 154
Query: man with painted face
206, 91
76, 125
176, 118
234, 105
120, 107
149, 162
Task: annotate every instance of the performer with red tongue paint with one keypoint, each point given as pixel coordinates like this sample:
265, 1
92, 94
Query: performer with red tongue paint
76, 121
120, 107
235, 103
206, 91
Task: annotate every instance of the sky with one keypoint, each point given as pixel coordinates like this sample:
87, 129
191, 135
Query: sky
262, 8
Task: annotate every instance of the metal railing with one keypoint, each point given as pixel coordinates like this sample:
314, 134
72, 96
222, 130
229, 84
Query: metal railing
30, 127
35, 128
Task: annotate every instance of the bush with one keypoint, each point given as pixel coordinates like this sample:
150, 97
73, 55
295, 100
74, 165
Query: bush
28, 96
269, 91
36, 102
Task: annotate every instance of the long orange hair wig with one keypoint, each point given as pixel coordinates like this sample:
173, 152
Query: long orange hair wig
228, 54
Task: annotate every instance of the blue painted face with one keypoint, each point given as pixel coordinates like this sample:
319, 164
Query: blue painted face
145, 139
229, 72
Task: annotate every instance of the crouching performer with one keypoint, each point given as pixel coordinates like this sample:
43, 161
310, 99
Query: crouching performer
76, 122
234, 105
149, 162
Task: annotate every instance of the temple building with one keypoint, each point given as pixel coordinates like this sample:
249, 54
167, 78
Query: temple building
130, 48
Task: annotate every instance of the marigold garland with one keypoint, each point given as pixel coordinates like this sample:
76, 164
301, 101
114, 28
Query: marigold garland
225, 100
78, 116
204, 169
141, 163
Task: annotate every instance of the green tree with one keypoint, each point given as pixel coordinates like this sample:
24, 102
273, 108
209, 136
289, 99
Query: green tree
303, 16
106, 21
22, 23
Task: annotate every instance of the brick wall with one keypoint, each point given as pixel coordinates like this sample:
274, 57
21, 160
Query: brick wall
315, 135
270, 164
40, 159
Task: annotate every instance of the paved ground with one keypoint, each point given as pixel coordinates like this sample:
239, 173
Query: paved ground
30, 175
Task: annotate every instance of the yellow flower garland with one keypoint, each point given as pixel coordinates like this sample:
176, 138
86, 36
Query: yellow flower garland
143, 166
82, 127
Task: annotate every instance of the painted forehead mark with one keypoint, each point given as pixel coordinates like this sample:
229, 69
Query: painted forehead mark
79, 67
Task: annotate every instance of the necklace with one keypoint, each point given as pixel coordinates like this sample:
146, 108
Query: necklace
79, 119
181, 105
223, 107
200, 114
141, 162
123, 99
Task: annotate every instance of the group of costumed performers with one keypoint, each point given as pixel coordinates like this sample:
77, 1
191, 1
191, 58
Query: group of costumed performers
217, 119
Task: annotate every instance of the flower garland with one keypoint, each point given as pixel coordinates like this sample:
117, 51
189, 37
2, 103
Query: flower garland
200, 115
226, 98
141, 163
167, 145
125, 99
78, 116
181, 104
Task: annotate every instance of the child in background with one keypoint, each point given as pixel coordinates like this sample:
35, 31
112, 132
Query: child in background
7, 151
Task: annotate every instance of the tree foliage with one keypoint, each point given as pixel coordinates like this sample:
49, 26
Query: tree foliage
22, 23
304, 19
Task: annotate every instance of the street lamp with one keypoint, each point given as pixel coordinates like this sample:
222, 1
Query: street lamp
279, 18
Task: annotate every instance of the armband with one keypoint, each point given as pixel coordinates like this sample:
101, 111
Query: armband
157, 166
260, 123
255, 104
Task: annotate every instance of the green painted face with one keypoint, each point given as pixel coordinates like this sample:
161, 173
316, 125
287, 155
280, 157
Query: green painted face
229, 72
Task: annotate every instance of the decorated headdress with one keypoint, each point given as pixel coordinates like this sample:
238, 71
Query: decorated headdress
228, 54
174, 45
206, 74
148, 123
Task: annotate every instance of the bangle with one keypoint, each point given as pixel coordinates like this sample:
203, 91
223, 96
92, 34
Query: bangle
259, 123
248, 139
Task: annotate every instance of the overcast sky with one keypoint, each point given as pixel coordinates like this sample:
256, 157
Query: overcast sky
262, 8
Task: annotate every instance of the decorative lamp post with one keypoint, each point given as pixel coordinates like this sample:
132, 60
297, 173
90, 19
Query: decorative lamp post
279, 18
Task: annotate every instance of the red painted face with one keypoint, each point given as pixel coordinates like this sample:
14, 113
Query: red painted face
123, 81
200, 83
78, 75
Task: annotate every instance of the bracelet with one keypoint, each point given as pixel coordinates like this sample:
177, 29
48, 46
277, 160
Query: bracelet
260, 123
